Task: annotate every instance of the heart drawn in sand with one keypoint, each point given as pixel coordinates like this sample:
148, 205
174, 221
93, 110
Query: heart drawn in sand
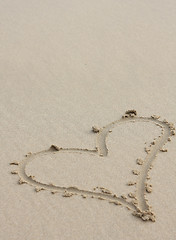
138, 203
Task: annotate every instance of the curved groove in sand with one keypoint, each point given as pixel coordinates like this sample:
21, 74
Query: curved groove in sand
140, 208
103, 151
24, 178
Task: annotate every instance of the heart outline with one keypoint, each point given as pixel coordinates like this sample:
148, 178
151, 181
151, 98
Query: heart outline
138, 205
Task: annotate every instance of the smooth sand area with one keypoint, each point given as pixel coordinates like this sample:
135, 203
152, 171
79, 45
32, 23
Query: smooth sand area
67, 66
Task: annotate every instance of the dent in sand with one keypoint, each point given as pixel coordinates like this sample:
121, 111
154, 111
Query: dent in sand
138, 203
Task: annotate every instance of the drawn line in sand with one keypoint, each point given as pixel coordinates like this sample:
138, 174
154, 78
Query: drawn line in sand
136, 201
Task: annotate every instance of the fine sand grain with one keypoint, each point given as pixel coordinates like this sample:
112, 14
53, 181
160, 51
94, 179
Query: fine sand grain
66, 66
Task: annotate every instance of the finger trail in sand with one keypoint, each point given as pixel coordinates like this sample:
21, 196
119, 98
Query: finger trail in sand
139, 204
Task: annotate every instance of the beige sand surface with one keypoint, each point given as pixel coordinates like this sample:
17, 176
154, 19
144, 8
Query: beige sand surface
66, 66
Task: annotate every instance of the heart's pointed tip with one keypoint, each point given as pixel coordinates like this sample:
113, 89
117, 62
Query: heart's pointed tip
145, 215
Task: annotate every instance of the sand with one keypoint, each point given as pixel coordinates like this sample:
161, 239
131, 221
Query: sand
75, 164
